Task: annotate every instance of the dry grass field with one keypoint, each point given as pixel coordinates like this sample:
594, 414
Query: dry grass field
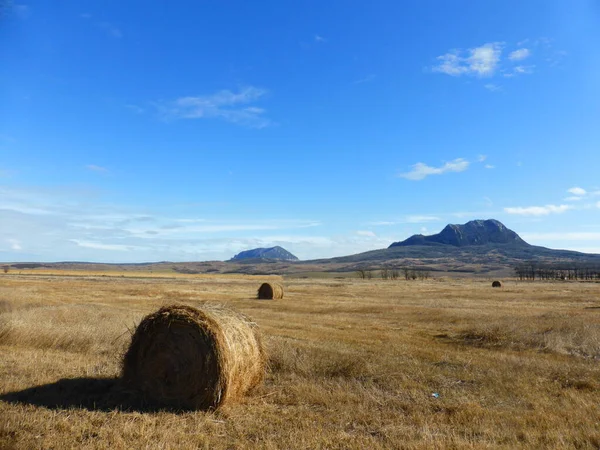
353, 364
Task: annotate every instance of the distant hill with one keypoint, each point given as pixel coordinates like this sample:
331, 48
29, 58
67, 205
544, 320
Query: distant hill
475, 232
272, 254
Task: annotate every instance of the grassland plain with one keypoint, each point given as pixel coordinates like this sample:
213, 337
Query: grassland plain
353, 364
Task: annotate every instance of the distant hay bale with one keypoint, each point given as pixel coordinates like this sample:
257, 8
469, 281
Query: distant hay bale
270, 291
497, 283
191, 358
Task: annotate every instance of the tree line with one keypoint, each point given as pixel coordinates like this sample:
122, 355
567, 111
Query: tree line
386, 273
533, 271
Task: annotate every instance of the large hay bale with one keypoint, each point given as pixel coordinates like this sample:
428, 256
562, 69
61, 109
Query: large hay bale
191, 358
497, 283
270, 291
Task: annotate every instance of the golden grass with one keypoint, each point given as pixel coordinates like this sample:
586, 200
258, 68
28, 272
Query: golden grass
353, 364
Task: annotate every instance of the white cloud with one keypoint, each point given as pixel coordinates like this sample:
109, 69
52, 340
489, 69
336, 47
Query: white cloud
492, 87
573, 199
489, 166
319, 38
519, 55
538, 210
479, 61
14, 244
422, 170
101, 246
366, 233
577, 191
598, 205
481, 158
234, 107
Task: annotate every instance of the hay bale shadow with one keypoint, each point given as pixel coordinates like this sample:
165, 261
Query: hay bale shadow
93, 394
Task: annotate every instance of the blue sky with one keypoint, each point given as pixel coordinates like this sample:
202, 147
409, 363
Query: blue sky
193, 130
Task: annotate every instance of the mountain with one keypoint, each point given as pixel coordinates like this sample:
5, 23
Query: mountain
476, 247
475, 232
273, 253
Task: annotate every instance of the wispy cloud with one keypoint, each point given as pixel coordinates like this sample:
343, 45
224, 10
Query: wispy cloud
383, 223
5, 173
519, 55
478, 61
492, 87
366, 79
518, 70
481, 158
234, 107
421, 170
490, 61
410, 219
366, 233
421, 219
108, 28
111, 30
102, 246
319, 38
21, 10
65, 224
565, 236
489, 166
538, 210
135, 108
98, 169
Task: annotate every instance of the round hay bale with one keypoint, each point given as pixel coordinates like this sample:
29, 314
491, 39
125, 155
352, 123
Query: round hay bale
497, 283
270, 291
191, 358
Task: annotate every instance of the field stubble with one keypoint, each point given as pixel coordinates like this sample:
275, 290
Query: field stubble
353, 364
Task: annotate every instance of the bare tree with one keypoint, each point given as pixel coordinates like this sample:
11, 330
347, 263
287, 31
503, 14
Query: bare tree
6, 268
362, 273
